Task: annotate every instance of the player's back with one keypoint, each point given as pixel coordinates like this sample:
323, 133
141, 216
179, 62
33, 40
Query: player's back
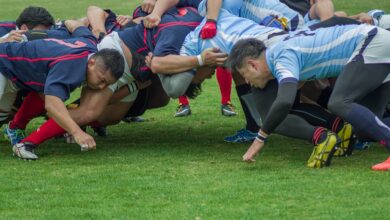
230, 29
31, 61
322, 52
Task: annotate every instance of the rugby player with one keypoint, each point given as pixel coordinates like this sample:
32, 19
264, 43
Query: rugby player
357, 54
55, 68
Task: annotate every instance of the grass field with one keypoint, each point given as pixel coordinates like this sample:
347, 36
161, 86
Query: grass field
179, 168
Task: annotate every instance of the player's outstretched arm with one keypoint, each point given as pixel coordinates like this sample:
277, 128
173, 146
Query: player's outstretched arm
96, 18
322, 10
172, 64
154, 18
72, 25
56, 109
209, 29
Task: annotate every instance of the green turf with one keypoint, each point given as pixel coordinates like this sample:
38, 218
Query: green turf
179, 168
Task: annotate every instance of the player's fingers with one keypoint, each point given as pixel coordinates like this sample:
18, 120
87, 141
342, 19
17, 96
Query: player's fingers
214, 49
16, 38
221, 55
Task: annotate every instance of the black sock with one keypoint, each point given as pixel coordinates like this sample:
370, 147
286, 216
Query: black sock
251, 124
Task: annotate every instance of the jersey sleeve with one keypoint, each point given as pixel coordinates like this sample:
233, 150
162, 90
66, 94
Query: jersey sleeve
85, 33
64, 77
286, 67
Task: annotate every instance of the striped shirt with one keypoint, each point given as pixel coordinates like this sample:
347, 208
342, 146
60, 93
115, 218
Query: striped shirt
53, 66
317, 54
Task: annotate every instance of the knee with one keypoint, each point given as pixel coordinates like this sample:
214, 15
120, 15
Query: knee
337, 106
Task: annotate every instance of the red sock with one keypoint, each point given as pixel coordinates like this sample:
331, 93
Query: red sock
224, 78
183, 100
319, 135
32, 106
48, 130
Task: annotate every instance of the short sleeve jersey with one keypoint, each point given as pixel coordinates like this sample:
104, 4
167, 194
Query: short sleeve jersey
52, 66
316, 54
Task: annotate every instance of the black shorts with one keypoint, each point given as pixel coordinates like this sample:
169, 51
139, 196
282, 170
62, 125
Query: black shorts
140, 104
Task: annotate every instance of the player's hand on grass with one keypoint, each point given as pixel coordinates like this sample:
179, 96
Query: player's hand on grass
252, 151
15, 36
209, 30
85, 140
148, 6
213, 57
123, 20
152, 21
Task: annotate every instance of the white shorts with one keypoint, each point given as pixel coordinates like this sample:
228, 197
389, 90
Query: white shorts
384, 22
8, 92
378, 50
112, 41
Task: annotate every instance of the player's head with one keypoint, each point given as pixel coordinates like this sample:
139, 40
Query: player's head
245, 59
104, 68
35, 18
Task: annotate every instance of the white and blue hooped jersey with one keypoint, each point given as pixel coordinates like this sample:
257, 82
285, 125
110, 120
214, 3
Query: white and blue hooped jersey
317, 54
230, 29
257, 10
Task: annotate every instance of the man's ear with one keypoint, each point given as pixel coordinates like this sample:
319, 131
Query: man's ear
91, 62
252, 63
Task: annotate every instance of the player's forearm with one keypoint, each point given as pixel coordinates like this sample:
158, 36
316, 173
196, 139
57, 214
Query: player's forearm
72, 25
163, 5
96, 18
56, 109
173, 64
322, 10
91, 106
213, 8
281, 107
119, 95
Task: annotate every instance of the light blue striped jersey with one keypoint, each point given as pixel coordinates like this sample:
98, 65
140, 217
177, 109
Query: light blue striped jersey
257, 10
316, 54
230, 29
232, 6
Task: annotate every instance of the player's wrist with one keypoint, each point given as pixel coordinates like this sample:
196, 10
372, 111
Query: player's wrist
211, 20
200, 60
262, 136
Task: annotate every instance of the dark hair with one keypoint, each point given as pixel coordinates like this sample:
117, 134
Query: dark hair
250, 47
34, 16
193, 90
111, 60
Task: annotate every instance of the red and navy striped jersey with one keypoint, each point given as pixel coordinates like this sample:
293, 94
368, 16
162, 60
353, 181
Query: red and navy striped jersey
167, 38
6, 27
52, 66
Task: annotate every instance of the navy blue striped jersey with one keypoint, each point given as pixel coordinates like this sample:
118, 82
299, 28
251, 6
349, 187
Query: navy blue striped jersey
52, 66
